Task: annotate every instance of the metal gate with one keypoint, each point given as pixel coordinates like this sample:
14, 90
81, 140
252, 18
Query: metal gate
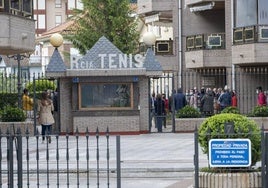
163, 85
69, 161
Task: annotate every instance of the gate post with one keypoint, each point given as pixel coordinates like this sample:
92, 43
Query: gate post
10, 159
19, 157
196, 158
118, 162
263, 157
265, 166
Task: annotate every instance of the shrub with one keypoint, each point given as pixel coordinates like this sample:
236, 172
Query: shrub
188, 112
8, 99
41, 85
213, 127
259, 111
230, 109
12, 114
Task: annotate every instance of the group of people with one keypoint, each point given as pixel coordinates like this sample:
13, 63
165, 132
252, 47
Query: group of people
211, 101
45, 108
208, 101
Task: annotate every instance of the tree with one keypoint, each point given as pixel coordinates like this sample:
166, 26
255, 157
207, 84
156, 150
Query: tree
110, 18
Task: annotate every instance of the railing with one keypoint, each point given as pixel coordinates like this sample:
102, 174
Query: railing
250, 34
21, 8
205, 41
69, 161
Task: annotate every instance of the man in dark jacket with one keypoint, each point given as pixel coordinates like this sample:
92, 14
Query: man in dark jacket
179, 100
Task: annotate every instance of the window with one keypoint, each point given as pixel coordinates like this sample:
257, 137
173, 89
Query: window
15, 4
79, 5
41, 22
41, 4
106, 95
245, 13
71, 4
27, 6
35, 4
1, 3
58, 3
58, 20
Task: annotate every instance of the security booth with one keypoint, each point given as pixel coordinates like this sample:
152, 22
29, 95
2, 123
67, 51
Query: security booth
105, 89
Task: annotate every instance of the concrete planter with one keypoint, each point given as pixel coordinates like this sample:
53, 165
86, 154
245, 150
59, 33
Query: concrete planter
188, 124
230, 180
13, 126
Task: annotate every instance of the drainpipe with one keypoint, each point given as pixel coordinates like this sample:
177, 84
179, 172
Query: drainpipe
232, 25
180, 79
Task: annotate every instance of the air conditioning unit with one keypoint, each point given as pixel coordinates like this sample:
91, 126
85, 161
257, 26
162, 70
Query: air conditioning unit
249, 34
162, 47
238, 35
214, 41
199, 41
264, 33
190, 42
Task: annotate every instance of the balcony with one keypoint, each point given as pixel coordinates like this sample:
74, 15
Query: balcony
201, 2
250, 45
17, 34
206, 50
156, 10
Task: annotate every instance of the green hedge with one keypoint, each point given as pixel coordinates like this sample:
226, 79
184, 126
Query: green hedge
12, 114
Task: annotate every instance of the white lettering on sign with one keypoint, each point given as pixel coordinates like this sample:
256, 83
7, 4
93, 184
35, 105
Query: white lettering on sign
110, 61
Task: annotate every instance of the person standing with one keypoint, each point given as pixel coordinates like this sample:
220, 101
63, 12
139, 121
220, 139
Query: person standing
234, 99
159, 111
208, 103
261, 97
27, 103
166, 109
46, 119
225, 99
179, 100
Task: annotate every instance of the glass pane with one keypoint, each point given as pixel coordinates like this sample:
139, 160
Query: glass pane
79, 5
1, 3
263, 11
58, 3
105, 95
246, 13
41, 4
27, 6
15, 4
71, 4
41, 22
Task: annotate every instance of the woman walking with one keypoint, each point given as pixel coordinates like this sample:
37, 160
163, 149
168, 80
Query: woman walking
45, 109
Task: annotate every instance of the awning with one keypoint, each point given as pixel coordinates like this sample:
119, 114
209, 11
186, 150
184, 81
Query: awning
207, 6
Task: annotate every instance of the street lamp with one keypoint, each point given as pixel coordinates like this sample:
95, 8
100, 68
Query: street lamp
19, 58
149, 39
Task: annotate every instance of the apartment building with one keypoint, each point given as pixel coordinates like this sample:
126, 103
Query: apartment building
51, 13
216, 43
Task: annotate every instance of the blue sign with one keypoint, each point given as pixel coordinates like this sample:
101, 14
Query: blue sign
75, 80
229, 152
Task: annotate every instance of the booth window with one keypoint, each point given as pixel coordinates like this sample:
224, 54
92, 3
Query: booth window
106, 95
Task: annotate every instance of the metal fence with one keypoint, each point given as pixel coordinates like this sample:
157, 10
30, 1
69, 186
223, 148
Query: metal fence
228, 168
68, 161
